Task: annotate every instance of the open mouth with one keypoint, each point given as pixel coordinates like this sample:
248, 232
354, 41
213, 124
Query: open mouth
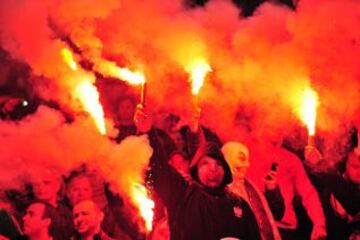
212, 180
82, 226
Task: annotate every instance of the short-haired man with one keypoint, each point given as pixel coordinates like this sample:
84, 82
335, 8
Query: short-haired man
47, 185
87, 220
39, 221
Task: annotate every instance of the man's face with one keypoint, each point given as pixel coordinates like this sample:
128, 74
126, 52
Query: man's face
178, 140
210, 172
33, 219
87, 218
240, 166
46, 187
353, 168
126, 110
80, 189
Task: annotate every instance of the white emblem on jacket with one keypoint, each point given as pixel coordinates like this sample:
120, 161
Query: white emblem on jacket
238, 212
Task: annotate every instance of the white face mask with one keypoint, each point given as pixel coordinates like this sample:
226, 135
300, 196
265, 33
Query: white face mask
239, 165
237, 155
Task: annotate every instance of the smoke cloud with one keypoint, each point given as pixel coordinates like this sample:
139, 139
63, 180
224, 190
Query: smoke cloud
260, 66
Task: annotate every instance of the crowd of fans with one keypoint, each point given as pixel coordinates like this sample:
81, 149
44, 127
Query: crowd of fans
201, 185
201, 189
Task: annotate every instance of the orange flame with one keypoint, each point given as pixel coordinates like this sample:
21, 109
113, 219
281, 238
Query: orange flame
198, 70
308, 108
144, 204
89, 97
69, 58
131, 77
87, 93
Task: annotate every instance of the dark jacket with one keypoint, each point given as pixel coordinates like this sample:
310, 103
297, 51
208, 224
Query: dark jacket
348, 195
63, 226
99, 236
125, 131
276, 202
196, 212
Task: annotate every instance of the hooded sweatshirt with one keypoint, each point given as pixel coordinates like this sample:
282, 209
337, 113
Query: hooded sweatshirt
198, 212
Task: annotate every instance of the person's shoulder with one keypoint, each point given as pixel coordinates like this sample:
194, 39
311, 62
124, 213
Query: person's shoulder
285, 156
161, 134
233, 197
22, 237
159, 131
103, 236
63, 208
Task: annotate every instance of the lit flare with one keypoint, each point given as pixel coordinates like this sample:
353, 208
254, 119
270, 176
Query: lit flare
87, 93
198, 70
132, 77
89, 97
144, 204
308, 107
68, 58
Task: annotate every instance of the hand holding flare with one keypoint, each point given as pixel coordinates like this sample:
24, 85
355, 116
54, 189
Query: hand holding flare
312, 155
142, 119
143, 122
308, 116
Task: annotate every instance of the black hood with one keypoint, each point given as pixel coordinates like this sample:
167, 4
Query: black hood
217, 155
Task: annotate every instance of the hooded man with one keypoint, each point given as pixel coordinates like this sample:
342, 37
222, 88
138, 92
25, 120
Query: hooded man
203, 209
199, 209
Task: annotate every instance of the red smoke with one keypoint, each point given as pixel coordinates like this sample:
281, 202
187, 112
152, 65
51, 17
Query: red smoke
260, 63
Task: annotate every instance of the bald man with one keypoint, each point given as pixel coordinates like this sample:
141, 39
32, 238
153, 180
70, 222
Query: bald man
87, 220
